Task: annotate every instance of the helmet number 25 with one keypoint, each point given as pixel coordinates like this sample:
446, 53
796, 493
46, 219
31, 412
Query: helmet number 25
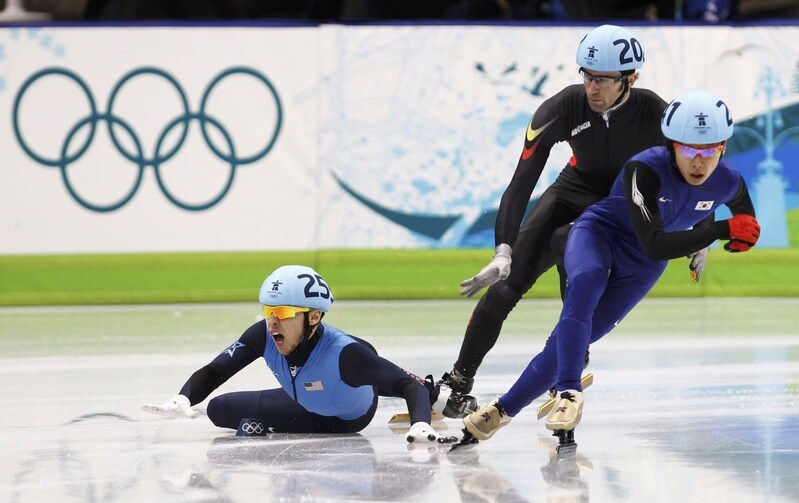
312, 282
637, 51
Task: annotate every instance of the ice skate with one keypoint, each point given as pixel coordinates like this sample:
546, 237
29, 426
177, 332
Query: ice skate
457, 382
543, 410
563, 418
483, 423
568, 410
450, 395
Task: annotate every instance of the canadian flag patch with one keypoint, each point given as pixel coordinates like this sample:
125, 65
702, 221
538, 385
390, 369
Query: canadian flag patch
704, 205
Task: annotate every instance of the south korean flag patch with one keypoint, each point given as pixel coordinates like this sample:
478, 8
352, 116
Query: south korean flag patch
704, 205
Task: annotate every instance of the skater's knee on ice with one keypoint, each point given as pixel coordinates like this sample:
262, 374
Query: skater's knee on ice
216, 413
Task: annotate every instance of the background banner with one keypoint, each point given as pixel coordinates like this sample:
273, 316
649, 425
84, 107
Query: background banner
303, 138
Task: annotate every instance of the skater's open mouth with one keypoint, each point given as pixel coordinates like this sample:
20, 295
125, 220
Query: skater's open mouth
278, 337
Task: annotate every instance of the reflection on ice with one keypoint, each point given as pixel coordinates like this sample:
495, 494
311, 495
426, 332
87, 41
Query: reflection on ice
565, 476
478, 481
315, 466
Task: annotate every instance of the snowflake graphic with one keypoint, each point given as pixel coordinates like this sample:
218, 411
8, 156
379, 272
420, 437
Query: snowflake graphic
19, 40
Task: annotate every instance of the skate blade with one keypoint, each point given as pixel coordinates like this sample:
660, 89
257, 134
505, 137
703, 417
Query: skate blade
404, 417
566, 450
544, 409
467, 441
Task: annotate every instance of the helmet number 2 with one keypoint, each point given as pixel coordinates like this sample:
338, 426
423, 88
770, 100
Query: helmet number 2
313, 281
726, 111
627, 45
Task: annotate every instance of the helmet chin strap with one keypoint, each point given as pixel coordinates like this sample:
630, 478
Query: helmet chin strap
624, 90
307, 328
307, 332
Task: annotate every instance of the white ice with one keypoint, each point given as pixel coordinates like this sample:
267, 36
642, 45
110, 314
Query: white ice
693, 400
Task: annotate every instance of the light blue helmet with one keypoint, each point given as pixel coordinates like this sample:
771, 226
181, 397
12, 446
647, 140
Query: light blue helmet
610, 48
697, 118
298, 286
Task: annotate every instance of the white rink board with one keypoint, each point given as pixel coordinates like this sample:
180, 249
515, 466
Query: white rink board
423, 121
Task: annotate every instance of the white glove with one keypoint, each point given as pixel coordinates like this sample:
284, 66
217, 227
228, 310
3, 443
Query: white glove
497, 269
698, 263
179, 406
422, 433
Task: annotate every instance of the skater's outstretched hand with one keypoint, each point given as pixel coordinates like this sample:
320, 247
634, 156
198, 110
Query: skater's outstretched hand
744, 233
179, 406
422, 432
497, 269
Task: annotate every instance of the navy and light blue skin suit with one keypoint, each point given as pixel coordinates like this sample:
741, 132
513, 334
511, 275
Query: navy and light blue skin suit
329, 384
617, 250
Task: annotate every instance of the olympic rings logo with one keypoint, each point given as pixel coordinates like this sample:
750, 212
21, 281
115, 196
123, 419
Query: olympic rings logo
162, 152
253, 428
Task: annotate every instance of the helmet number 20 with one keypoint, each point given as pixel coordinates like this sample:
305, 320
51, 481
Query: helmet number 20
311, 283
624, 55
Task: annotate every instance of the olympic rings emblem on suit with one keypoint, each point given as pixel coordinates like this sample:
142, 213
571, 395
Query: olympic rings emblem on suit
253, 428
162, 154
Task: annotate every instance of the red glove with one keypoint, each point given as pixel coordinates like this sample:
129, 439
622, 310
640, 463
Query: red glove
735, 246
744, 228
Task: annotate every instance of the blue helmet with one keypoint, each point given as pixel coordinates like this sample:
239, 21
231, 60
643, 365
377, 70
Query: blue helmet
298, 286
697, 118
610, 48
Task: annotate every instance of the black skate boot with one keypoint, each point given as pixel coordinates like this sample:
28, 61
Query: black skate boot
457, 382
450, 395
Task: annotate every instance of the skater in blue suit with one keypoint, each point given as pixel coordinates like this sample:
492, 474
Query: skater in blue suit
660, 207
329, 380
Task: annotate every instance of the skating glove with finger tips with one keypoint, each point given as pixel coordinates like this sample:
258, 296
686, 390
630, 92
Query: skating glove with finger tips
178, 406
498, 269
744, 228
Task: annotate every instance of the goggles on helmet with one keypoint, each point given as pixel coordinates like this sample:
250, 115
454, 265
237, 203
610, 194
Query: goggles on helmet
283, 312
691, 152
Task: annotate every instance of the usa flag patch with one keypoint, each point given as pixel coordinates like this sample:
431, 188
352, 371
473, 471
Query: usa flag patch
704, 205
313, 386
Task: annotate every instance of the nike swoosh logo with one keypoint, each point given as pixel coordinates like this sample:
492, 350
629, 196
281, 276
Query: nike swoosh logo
528, 152
532, 134
663, 199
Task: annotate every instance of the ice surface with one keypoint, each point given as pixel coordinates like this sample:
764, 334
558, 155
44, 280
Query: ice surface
693, 400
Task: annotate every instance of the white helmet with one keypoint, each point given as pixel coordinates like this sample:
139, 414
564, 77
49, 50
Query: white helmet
610, 48
697, 118
298, 286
